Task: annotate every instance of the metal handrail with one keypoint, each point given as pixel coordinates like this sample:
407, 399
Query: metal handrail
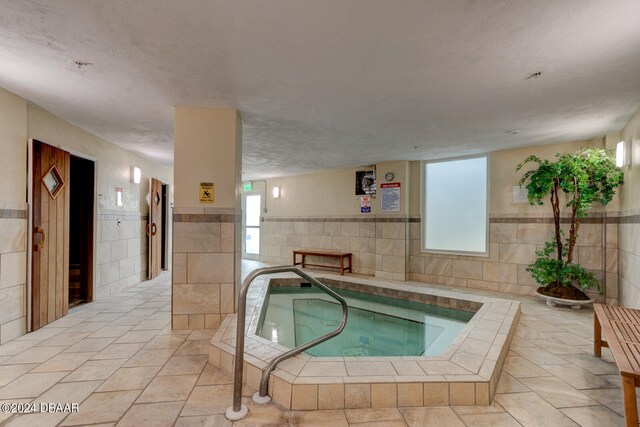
237, 410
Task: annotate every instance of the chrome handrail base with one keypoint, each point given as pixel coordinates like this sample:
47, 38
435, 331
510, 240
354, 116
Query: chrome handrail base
232, 415
261, 400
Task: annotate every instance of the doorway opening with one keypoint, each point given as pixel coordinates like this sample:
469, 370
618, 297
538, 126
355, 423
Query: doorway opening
81, 204
251, 214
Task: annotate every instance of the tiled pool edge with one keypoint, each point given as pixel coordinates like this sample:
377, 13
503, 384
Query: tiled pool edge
466, 374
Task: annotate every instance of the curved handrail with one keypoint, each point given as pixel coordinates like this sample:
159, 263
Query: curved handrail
240, 331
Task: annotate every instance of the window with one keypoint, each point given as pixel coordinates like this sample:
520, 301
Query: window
455, 206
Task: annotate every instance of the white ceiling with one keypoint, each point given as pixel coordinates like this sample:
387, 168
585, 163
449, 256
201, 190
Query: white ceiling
330, 83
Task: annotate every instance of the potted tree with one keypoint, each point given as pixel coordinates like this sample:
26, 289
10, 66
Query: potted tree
581, 179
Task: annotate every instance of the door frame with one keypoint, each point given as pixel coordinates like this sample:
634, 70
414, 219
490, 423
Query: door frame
73, 152
243, 253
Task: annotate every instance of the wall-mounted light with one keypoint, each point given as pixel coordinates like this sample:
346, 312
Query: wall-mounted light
276, 192
623, 154
137, 175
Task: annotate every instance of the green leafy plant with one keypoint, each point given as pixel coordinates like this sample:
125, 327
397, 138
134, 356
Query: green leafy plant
584, 178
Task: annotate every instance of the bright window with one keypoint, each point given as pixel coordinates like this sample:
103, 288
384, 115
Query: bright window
455, 206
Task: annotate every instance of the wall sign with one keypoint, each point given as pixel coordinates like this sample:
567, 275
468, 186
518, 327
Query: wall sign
207, 192
365, 204
390, 197
520, 194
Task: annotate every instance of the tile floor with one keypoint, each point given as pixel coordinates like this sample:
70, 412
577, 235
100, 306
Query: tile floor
119, 359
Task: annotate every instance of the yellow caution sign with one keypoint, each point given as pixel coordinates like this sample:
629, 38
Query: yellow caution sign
207, 192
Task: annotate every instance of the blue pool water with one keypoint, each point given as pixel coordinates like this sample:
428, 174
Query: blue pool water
376, 326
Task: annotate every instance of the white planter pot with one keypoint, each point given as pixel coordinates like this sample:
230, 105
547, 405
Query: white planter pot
574, 304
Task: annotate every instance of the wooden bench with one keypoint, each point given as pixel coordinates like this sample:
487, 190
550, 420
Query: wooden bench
621, 328
331, 254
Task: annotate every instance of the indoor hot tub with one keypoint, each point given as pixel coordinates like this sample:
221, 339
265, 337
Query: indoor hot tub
377, 325
404, 344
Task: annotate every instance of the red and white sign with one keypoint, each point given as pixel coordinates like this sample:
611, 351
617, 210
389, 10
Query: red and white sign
390, 197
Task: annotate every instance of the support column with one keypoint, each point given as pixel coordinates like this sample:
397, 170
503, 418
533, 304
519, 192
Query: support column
206, 243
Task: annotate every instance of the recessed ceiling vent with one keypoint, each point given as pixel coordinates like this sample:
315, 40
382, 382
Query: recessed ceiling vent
534, 76
82, 64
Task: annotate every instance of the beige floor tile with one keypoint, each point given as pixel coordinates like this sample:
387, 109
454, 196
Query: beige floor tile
90, 344
610, 397
556, 347
192, 347
540, 357
152, 414
263, 415
443, 367
168, 388
64, 362
182, 365
531, 410
330, 418
557, 392
111, 331
519, 367
150, 357
95, 370
164, 341
30, 385
577, 377
102, 407
592, 364
152, 324
35, 355
208, 400
369, 368
369, 415
118, 351
16, 346
88, 327
136, 336
202, 334
314, 369
594, 416
130, 378
208, 421
65, 338
432, 417
489, 420
509, 384
213, 376
9, 373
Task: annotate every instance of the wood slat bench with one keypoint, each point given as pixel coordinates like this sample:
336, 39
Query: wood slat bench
331, 254
621, 328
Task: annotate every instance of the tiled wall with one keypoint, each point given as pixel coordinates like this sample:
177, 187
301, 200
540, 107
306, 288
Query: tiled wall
513, 241
203, 266
389, 248
121, 251
629, 247
378, 244
13, 270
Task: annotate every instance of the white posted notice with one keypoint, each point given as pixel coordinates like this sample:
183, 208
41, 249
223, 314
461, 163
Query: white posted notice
390, 197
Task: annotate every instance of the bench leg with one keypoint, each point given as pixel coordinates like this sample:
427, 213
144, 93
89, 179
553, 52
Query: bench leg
597, 336
342, 266
630, 403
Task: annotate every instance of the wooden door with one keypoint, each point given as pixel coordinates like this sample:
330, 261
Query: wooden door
50, 250
154, 229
